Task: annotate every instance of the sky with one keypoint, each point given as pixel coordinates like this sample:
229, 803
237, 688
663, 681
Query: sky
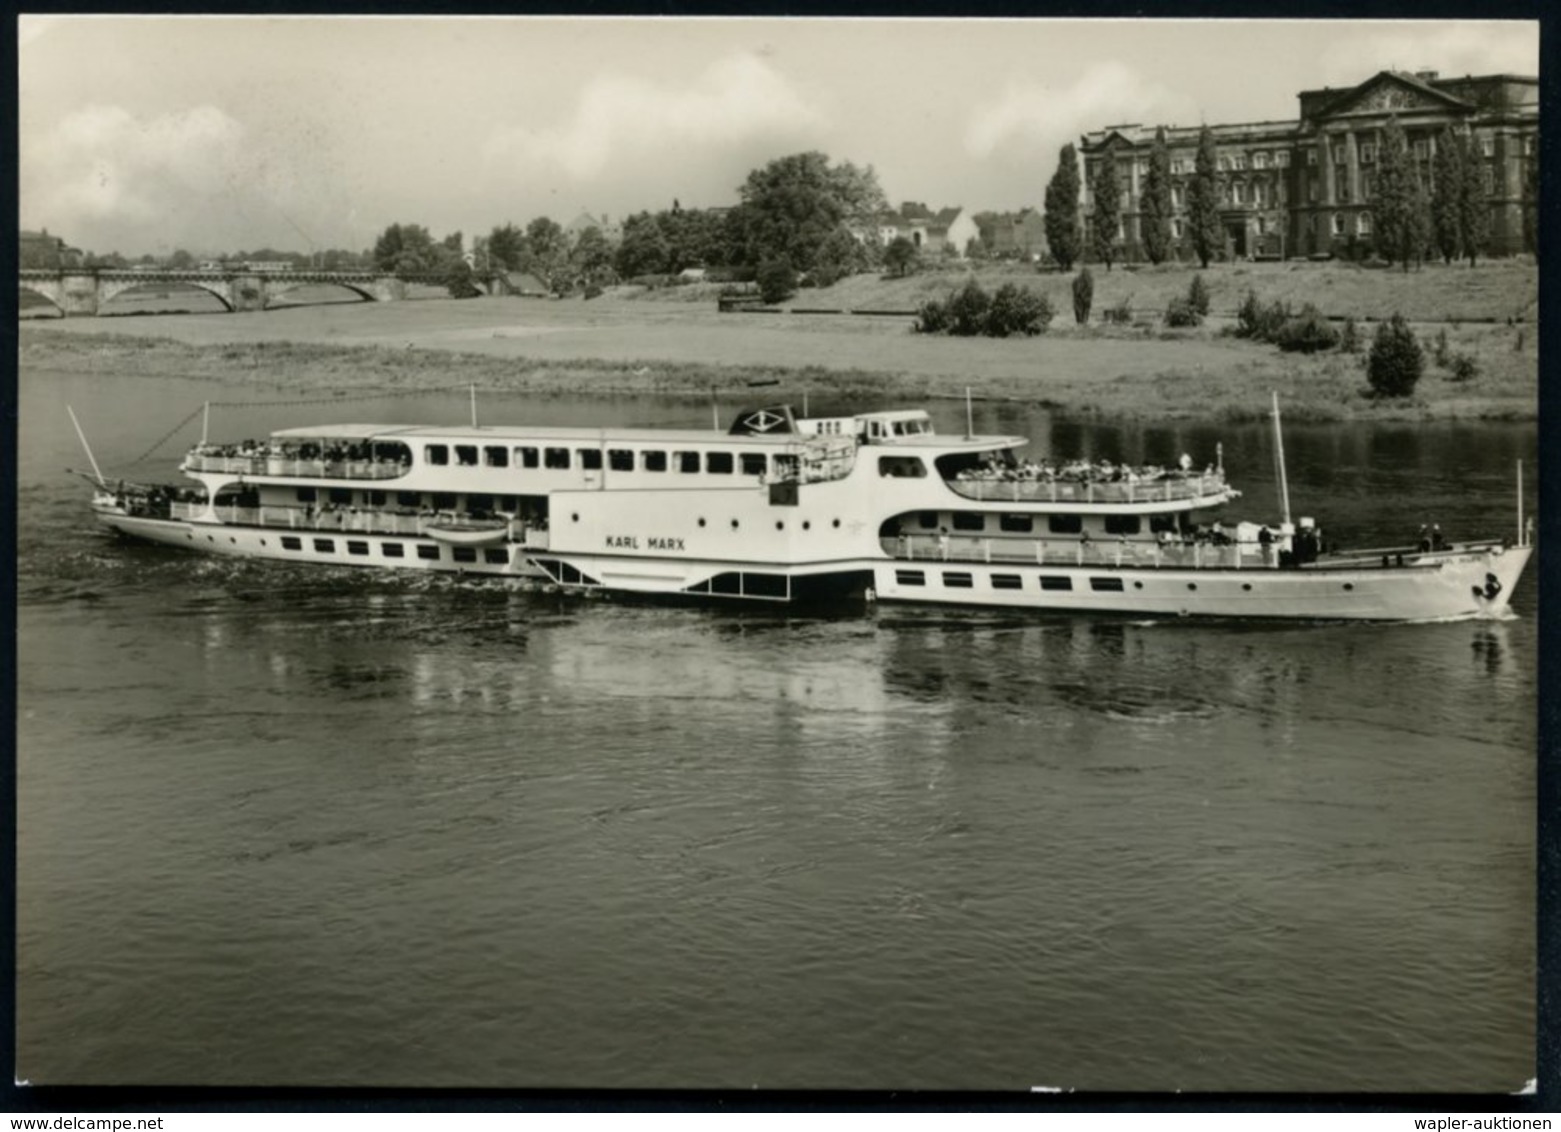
143, 135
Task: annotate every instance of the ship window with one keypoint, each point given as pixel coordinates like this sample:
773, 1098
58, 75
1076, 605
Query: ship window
927, 520
340, 495
590, 459
496, 456
1065, 524
325, 545
969, 521
718, 463
765, 585
620, 459
466, 455
1123, 524
687, 461
408, 499
1006, 582
754, 463
557, 458
910, 577
377, 498
1158, 523
653, 460
1106, 585
428, 550
495, 556
509, 503
1018, 524
356, 547
479, 503
526, 457
958, 581
902, 467
436, 454
464, 553
392, 550
291, 543
307, 495
443, 501
1056, 582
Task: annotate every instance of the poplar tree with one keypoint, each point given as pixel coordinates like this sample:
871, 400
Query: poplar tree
1203, 201
1107, 213
1154, 214
1474, 210
1062, 210
1531, 204
1392, 203
1446, 184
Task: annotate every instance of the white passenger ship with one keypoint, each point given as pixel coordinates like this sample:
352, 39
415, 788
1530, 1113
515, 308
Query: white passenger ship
785, 509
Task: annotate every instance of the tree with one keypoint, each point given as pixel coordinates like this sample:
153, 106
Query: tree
839, 255
1446, 184
1396, 360
507, 248
591, 257
1474, 210
1203, 201
791, 206
547, 251
777, 280
1083, 296
404, 249
1106, 216
181, 260
900, 257
1062, 210
1419, 218
1392, 203
643, 249
1154, 220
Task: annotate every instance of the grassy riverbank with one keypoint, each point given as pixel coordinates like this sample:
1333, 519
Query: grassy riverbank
606, 347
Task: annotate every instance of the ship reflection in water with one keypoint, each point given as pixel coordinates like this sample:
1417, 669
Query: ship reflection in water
322, 827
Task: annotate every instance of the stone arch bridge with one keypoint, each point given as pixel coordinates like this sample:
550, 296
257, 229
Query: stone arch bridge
84, 291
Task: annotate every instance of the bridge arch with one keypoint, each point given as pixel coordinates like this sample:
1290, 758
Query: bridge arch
43, 291
110, 288
275, 289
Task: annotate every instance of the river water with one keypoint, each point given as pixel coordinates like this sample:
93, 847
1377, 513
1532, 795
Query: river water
294, 826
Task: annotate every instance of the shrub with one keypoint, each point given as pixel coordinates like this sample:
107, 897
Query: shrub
1464, 367
1083, 296
593, 292
1248, 316
1179, 312
1349, 341
1439, 348
1198, 297
1307, 333
1396, 360
777, 281
967, 309
932, 318
1016, 310
1119, 315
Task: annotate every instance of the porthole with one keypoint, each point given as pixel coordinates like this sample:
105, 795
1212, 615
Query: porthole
1192, 585
1138, 585
233, 540
779, 525
701, 522
189, 535
734, 524
837, 524
211, 538
1246, 585
575, 516
262, 542
1349, 585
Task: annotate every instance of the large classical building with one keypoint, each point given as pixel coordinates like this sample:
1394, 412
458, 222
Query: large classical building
1303, 187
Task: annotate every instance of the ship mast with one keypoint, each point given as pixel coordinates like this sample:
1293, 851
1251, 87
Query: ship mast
1279, 464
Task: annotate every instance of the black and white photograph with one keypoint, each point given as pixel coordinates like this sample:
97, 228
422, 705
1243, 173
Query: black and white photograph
708, 553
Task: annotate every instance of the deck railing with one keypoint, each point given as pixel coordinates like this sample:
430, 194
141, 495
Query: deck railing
1073, 491
343, 520
306, 469
1076, 552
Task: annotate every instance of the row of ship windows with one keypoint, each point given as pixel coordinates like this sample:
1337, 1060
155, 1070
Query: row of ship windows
962, 580
591, 459
438, 500
1055, 524
433, 552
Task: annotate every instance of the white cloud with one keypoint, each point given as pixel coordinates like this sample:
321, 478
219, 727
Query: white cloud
1029, 116
619, 121
102, 163
1465, 48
